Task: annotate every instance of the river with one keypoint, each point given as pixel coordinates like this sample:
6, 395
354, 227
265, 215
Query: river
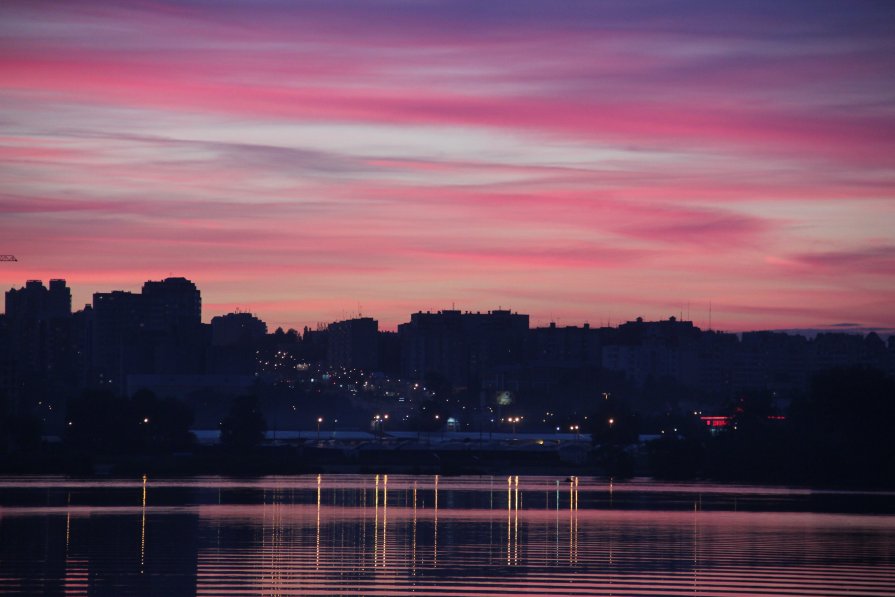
429, 535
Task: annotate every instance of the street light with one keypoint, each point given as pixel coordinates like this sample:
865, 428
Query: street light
319, 421
379, 421
577, 430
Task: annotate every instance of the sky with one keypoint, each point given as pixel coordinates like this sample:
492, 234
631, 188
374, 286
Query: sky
577, 161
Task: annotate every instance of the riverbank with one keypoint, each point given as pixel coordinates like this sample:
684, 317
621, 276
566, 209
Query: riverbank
300, 459
383, 458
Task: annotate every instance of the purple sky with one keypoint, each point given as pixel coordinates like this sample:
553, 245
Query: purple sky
577, 161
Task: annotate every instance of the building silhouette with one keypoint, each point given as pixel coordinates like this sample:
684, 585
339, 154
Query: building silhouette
656, 350
477, 361
40, 353
157, 331
354, 344
464, 348
171, 306
235, 329
235, 338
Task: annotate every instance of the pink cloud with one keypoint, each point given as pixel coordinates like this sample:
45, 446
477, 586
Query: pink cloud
98, 77
877, 260
633, 161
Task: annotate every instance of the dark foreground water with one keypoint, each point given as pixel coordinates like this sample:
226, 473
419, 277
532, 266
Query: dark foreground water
450, 536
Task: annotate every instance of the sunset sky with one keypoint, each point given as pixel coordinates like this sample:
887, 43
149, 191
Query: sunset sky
578, 161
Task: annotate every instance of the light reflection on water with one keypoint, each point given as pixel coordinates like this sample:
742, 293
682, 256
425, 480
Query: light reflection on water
402, 534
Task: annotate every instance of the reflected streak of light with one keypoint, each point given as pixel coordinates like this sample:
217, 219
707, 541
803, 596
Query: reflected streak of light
556, 553
697, 530
413, 540
435, 538
143, 528
573, 520
509, 516
317, 551
516, 525
610, 493
384, 519
545, 531
272, 574
363, 528
376, 523
67, 522
576, 518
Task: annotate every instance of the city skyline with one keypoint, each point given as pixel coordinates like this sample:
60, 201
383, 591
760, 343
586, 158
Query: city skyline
202, 315
580, 163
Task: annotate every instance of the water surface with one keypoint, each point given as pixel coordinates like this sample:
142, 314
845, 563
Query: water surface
430, 535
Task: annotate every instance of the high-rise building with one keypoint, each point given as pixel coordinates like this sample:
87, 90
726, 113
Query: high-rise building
173, 305
354, 344
236, 328
34, 313
37, 302
118, 320
463, 347
653, 350
38, 339
157, 331
235, 339
173, 325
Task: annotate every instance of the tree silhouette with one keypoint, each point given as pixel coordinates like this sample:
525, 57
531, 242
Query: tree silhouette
244, 426
613, 428
100, 422
19, 431
163, 425
845, 423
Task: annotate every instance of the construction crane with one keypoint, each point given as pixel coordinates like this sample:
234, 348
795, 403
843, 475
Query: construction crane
8, 258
